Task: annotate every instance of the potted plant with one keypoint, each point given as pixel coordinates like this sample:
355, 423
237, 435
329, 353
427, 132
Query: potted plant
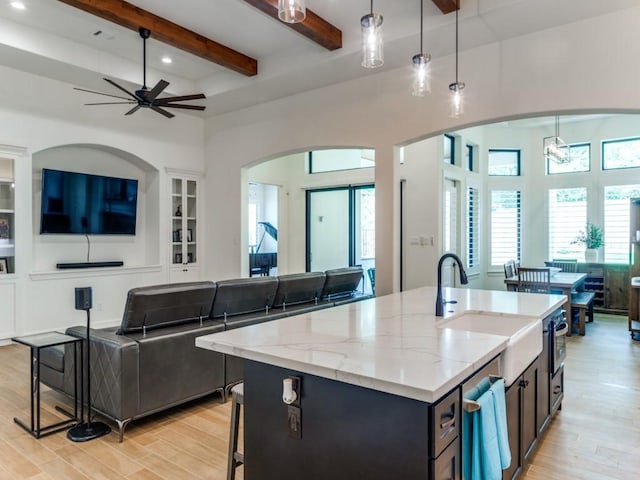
592, 238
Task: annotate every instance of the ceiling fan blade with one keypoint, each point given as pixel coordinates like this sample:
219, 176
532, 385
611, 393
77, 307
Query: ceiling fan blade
186, 107
133, 110
99, 93
111, 103
183, 98
157, 90
122, 88
161, 111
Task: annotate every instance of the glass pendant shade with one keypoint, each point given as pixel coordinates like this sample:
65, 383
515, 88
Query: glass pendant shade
292, 11
421, 74
555, 149
456, 97
372, 55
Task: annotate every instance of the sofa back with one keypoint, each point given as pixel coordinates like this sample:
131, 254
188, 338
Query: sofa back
165, 305
341, 281
244, 295
298, 288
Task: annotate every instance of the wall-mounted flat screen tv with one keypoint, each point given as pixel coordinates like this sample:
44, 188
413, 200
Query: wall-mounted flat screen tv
79, 203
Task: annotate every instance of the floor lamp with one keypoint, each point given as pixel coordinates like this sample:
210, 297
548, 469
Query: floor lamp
89, 430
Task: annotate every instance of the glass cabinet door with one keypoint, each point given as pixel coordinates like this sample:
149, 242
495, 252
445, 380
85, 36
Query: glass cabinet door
184, 221
7, 217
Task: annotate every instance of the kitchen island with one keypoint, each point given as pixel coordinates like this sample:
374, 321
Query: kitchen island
377, 381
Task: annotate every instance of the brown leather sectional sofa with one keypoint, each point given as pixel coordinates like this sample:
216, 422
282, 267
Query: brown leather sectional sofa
150, 362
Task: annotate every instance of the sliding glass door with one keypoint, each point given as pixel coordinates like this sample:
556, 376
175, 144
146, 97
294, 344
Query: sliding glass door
341, 229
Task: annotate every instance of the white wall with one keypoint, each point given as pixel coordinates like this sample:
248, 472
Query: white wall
506, 79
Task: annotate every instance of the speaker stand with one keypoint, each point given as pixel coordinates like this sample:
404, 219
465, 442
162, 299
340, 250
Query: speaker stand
84, 432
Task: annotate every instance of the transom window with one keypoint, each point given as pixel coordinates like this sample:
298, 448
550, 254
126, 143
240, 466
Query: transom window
469, 160
504, 162
580, 155
321, 161
449, 150
623, 153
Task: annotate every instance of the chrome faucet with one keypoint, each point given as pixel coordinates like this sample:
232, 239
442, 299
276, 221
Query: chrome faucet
463, 280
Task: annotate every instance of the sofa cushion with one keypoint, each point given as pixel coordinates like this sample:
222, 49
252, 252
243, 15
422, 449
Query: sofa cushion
53, 357
298, 288
164, 305
341, 281
244, 295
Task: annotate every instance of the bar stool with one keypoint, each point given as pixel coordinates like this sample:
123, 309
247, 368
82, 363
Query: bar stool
235, 458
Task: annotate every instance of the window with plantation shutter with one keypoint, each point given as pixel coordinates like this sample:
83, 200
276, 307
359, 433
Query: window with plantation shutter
616, 222
505, 226
567, 217
449, 217
473, 231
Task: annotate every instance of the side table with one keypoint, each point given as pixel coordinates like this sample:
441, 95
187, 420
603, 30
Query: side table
36, 343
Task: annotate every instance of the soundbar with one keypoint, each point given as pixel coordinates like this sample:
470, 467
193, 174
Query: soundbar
65, 266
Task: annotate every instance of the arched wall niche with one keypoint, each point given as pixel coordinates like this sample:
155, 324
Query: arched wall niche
142, 249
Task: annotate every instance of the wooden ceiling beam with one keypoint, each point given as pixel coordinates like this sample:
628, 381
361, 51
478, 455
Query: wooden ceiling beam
447, 6
313, 27
163, 30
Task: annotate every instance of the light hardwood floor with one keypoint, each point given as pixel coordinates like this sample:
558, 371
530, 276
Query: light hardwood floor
595, 436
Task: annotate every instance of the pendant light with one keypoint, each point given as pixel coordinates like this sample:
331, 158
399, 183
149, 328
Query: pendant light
292, 11
421, 70
555, 149
371, 25
456, 89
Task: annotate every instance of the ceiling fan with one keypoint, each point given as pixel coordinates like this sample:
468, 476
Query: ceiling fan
145, 98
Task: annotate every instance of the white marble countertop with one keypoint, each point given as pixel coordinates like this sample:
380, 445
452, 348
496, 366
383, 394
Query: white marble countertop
390, 343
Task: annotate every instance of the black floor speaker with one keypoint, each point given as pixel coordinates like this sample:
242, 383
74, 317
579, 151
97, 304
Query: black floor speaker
84, 300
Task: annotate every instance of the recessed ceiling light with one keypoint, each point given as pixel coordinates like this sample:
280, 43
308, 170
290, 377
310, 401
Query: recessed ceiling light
18, 5
167, 60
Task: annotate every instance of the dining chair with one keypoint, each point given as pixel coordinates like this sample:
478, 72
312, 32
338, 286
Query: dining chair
534, 280
510, 269
567, 265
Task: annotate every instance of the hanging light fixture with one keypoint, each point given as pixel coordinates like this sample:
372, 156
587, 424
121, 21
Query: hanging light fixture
422, 75
371, 25
555, 149
456, 89
292, 11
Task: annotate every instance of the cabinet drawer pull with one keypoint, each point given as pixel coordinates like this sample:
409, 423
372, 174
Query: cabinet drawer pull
448, 424
524, 383
557, 389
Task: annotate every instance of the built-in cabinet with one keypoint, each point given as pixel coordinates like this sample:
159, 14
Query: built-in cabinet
14, 235
633, 283
185, 233
531, 401
7, 218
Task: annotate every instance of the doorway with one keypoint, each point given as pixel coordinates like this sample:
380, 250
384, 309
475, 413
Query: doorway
262, 216
341, 230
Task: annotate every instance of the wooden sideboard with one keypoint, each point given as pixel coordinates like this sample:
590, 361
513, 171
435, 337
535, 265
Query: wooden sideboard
610, 283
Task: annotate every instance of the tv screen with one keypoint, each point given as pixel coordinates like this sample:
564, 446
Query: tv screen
79, 203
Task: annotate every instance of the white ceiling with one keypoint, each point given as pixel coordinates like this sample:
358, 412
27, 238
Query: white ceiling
55, 40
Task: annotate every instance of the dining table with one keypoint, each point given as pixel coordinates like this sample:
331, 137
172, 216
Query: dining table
562, 282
